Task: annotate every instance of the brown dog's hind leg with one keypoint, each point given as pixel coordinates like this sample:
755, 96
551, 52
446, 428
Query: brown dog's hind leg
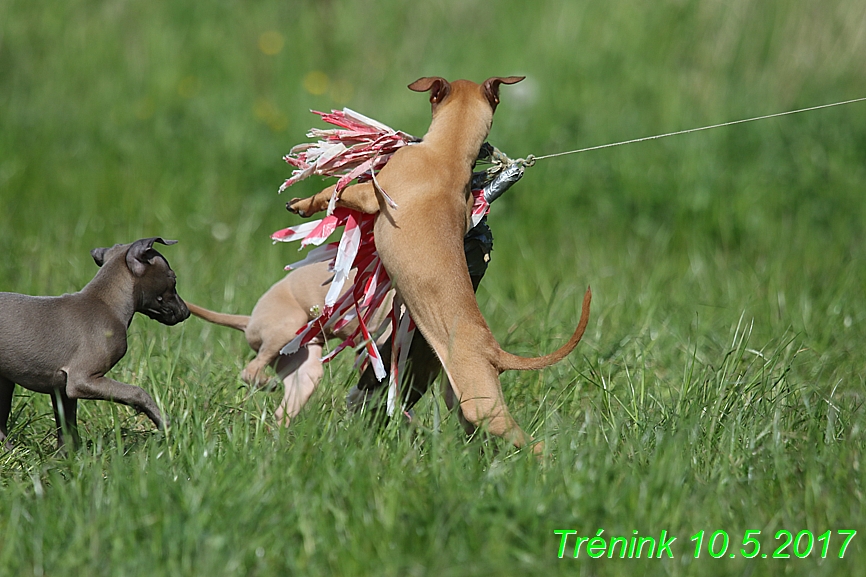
452, 404
492, 416
482, 403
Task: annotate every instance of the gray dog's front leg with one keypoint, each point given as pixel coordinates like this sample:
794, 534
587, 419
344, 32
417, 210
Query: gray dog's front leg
66, 417
105, 389
7, 387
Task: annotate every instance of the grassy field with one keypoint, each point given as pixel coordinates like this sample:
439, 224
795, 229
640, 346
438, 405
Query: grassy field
720, 386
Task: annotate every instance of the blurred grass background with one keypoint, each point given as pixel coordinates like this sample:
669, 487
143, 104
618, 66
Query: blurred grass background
720, 384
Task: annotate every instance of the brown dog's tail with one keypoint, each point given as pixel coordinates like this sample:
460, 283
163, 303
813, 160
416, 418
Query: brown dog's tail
510, 362
238, 322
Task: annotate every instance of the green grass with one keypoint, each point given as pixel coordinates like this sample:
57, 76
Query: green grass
720, 385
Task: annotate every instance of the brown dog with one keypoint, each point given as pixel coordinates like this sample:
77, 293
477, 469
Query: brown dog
421, 246
286, 307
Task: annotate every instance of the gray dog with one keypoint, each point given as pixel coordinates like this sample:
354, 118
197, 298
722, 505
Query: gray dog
63, 346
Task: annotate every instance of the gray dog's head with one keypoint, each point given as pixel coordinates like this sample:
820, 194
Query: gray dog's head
154, 291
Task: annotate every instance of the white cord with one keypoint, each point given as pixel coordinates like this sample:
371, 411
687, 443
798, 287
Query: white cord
532, 158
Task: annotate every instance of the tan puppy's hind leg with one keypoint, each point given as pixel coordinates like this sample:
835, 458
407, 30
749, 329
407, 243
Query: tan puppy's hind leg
269, 329
254, 373
300, 373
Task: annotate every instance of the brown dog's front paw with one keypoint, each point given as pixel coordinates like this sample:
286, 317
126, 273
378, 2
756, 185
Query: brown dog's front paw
302, 206
308, 206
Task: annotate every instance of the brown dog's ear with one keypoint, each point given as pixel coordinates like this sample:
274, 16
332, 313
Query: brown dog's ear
141, 254
439, 87
491, 87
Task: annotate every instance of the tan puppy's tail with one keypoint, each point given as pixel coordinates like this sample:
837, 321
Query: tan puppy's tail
238, 322
510, 362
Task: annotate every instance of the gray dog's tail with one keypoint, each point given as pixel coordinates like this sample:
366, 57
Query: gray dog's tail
510, 362
238, 322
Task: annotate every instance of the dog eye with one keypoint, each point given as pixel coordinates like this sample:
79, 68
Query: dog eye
159, 299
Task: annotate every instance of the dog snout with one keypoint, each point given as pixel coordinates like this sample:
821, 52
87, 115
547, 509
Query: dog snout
182, 310
179, 311
168, 311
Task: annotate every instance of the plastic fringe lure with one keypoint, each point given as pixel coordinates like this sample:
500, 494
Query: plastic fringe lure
360, 147
356, 151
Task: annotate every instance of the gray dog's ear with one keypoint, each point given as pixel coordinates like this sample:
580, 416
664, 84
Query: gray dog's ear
491, 87
141, 254
439, 87
98, 255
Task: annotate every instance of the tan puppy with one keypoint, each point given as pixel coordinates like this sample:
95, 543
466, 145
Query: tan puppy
286, 307
420, 244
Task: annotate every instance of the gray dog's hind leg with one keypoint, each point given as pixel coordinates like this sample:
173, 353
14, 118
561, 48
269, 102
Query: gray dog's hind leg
105, 389
7, 387
66, 418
